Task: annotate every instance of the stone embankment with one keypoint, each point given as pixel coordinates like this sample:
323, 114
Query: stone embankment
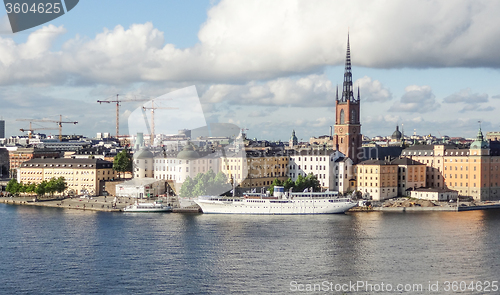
417, 205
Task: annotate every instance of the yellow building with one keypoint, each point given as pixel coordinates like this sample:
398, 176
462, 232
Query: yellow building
83, 176
472, 172
377, 179
411, 175
258, 170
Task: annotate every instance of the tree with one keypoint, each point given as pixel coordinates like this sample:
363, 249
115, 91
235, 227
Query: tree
30, 188
12, 186
312, 181
187, 188
289, 183
41, 188
123, 162
61, 185
205, 184
300, 184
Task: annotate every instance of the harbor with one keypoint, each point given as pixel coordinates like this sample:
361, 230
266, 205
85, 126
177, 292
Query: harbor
108, 204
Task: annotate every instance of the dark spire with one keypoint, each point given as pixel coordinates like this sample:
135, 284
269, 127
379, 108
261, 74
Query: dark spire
347, 90
337, 95
358, 91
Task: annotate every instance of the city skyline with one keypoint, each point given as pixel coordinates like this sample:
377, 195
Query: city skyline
268, 67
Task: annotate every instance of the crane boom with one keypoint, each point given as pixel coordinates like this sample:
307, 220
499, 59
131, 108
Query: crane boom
117, 101
153, 108
59, 123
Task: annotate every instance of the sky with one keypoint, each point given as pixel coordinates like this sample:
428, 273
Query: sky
431, 67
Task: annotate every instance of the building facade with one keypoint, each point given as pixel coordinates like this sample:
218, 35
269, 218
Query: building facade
470, 171
83, 176
377, 179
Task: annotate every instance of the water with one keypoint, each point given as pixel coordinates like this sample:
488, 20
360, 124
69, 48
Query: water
58, 251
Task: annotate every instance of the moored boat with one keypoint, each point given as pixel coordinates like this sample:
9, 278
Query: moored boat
281, 203
148, 207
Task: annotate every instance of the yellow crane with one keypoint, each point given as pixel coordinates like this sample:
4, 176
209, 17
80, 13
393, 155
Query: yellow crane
31, 129
117, 101
59, 123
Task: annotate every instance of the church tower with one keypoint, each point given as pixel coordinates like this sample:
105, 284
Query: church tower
347, 137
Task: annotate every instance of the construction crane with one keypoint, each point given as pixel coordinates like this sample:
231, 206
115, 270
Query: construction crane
31, 129
153, 108
59, 123
117, 101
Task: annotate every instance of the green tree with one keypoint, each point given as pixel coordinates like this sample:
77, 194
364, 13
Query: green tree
312, 181
289, 183
300, 184
123, 162
61, 185
187, 188
30, 188
221, 184
12, 186
41, 188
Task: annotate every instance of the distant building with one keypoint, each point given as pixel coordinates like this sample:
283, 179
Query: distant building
293, 142
17, 156
2, 129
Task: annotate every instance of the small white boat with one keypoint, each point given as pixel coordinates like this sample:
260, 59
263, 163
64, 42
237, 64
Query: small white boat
157, 206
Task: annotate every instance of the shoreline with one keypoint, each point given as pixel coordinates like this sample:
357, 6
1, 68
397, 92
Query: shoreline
104, 204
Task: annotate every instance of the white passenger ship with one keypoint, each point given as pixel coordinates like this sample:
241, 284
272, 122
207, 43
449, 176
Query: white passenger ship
281, 203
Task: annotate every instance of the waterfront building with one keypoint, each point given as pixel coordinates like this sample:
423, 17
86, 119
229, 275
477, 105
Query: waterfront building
83, 176
471, 171
258, 170
411, 175
343, 174
141, 188
174, 167
377, 179
319, 162
434, 194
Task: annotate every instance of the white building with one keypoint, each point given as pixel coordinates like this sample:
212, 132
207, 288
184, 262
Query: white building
177, 167
140, 188
342, 175
318, 162
143, 163
434, 194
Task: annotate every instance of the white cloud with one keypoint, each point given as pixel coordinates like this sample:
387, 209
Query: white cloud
309, 91
372, 90
417, 99
466, 96
259, 40
472, 100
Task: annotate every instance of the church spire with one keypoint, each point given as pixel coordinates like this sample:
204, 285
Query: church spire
347, 90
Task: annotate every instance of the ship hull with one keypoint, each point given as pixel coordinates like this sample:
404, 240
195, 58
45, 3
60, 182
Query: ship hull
275, 207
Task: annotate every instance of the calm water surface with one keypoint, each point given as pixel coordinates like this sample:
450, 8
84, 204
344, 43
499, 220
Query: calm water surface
57, 251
